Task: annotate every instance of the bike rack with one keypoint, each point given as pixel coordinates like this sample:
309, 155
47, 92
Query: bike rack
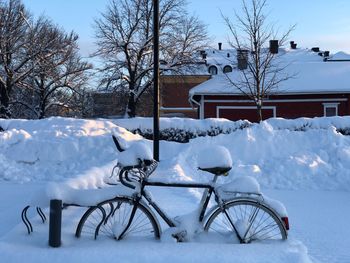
27, 222
55, 221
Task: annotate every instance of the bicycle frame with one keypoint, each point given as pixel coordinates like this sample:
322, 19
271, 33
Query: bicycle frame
140, 176
209, 190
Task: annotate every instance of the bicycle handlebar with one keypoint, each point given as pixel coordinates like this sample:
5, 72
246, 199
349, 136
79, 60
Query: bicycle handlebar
121, 178
144, 169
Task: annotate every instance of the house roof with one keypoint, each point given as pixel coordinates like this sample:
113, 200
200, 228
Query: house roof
311, 74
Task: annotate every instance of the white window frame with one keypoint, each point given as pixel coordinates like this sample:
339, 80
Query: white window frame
330, 105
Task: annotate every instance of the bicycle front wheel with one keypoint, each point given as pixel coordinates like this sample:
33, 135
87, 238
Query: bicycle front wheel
112, 218
245, 221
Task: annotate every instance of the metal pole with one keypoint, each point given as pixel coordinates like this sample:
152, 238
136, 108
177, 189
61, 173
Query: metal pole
156, 79
55, 223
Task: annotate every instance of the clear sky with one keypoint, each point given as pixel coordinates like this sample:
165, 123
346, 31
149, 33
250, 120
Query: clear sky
322, 23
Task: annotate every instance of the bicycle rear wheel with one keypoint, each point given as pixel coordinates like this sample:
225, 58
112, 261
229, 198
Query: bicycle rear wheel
245, 221
111, 219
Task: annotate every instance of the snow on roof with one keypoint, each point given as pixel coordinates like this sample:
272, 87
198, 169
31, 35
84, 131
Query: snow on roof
220, 57
311, 74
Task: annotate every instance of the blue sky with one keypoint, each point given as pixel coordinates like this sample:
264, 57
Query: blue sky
320, 23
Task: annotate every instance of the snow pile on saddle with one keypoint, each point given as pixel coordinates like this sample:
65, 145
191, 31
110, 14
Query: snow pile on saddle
136, 152
213, 157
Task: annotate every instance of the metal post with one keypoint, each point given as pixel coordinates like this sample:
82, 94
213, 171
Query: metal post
156, 79
55, 223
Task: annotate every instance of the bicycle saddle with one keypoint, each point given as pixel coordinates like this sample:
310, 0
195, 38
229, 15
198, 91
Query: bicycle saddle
216, 170
215, 159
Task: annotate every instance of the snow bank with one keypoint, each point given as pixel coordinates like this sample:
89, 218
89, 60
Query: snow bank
182, 130
286, 159
280, 154
54, 148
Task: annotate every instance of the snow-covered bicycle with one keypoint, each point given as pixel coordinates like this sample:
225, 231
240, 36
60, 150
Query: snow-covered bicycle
236, 216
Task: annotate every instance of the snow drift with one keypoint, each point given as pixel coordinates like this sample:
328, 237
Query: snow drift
280, 154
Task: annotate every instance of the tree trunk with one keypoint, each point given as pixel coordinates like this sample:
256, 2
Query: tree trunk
131, 110
42, 101
42, 111
260, 116
4, 102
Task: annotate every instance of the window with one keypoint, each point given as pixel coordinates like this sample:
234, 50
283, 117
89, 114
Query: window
213, 70
330, 109
227, 69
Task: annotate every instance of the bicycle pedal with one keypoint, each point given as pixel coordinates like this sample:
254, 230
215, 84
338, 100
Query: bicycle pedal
180, 236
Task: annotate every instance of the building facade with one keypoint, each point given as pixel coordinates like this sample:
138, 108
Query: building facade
319, 87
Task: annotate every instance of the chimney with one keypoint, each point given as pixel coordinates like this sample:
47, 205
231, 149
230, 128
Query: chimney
242, 59
220, 45
315, 49
274, 46
293, 45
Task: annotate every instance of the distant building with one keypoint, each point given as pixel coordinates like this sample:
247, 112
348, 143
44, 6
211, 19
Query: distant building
102, 105
174, 95
321, 87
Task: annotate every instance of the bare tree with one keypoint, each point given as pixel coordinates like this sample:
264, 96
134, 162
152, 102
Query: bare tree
125, 38
14, 60
59, 74
250, 37
40, 67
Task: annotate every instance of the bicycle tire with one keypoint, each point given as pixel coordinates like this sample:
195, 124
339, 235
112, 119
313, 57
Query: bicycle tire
111, 217
252, 220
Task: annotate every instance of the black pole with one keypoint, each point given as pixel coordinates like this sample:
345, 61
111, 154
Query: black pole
156, 79
55, 223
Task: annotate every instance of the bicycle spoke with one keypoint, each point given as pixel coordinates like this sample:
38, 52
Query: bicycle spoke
118, 212
252, 220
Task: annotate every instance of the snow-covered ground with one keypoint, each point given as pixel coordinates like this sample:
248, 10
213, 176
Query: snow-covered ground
307, 169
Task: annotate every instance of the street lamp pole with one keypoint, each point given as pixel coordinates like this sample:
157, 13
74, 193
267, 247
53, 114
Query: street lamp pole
156, 79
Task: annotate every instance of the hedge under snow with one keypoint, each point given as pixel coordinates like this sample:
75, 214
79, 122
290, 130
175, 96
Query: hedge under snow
182, 129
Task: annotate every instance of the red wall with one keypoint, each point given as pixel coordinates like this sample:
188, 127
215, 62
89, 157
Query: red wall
287, 109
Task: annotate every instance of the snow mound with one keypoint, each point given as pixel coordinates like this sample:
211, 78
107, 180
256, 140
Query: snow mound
54, 149
280, 154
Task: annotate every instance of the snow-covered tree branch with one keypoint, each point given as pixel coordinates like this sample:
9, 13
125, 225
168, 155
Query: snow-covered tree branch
124, 36
38, 61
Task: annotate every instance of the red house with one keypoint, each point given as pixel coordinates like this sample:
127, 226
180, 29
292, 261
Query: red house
320, 87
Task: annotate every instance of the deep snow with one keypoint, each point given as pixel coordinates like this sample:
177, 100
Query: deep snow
79, 154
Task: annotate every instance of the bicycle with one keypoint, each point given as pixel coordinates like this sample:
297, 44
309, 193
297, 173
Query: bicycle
244, 216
